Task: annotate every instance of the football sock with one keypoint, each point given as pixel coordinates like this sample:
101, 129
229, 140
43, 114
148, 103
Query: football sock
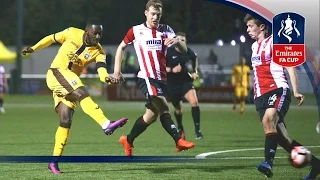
284, 143
139, 127
1, 102
169, 126
270, 147
93, 110
195, 111
179, 120
242, 103
60, 140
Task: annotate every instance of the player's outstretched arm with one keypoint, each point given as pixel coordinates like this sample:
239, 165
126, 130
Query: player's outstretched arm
118, 60
294, 83
43, 43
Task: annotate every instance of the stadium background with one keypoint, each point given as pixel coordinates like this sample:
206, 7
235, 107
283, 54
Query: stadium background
217, 35
29, 125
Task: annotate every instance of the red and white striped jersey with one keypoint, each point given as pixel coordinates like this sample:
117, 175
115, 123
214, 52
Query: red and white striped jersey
267, 74
150, 50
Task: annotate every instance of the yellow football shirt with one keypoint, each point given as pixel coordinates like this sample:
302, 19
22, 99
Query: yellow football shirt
241, 73
72, 46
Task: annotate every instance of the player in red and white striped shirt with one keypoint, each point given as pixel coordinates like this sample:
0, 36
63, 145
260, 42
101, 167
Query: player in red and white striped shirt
272, 96
150, 41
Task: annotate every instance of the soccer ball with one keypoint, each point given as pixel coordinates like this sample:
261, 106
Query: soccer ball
300, 156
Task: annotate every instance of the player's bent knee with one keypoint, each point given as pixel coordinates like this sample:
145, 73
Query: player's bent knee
80, 93
154, 118
194, 103
65, 123
164, 116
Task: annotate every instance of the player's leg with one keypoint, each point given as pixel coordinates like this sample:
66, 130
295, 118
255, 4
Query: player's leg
138, 128
176, 103
191, 97
271, 106
142, 122
178, 115
235, 101
65, 113
73, 87
237, 96
244, 94
269, 119
175, 95
159, 101
94, 111
287, 144
156, 92
161, 104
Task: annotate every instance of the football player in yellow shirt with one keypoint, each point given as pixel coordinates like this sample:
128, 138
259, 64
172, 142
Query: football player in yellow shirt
78, 49
241, 81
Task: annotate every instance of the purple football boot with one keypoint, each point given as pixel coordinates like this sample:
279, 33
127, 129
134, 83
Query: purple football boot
115, 125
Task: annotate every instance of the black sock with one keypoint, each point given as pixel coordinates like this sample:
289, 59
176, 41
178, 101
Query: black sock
139, 127
179, 120
284, 143
196, 117
169, 126
270, 147
1, 102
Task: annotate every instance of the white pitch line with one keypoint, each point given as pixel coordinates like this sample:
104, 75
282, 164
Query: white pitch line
204, 155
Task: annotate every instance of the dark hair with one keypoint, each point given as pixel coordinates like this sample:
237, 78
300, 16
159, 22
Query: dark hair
249, 17
258, 22
93, 21
155, 3
181, 34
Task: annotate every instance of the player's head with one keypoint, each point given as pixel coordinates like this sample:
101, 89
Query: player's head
153, 12
94, 31
181, 36
255, 28
243, 60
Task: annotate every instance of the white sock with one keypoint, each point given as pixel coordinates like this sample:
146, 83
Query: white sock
105, 124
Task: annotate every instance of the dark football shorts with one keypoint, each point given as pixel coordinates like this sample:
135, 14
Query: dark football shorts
176, 92
152, 87
279, 99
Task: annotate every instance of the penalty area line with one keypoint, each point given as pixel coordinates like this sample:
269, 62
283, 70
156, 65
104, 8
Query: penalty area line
204, 155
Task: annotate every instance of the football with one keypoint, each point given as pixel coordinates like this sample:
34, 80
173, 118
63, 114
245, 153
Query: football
300, 156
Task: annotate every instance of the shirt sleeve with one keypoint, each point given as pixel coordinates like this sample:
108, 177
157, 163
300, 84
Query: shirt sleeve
102, 55
170, 32
128, 39
61, 36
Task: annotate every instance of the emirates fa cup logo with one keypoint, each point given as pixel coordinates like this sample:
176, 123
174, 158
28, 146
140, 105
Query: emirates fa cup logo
288, 31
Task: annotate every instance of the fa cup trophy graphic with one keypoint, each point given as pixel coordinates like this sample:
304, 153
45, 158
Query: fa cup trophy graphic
288, 39
287, 31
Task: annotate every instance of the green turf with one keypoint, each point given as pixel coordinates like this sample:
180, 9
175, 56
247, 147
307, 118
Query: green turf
29, 126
